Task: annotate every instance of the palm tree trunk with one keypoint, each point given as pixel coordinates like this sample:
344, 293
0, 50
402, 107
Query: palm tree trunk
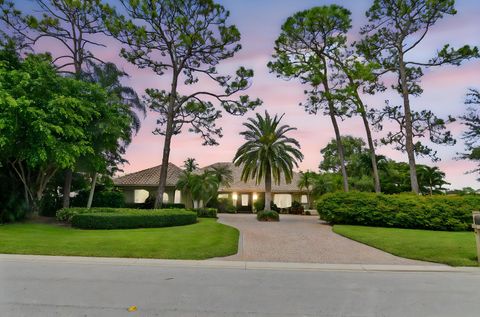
408, 125
92, 190
371, 147
268, 189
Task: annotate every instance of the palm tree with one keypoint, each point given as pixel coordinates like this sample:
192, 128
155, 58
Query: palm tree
223, 173
306, 182
190, 164
431, 179
268, 152
199, 188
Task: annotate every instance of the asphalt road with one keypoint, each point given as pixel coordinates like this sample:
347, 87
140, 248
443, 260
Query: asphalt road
97, 289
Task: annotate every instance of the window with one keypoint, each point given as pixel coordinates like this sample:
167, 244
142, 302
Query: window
165, 197
140, 195
245, 199
178, 197
282, 200
304, 199
222, 196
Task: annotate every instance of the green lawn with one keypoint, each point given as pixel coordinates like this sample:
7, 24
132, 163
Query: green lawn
202, 240
452, 248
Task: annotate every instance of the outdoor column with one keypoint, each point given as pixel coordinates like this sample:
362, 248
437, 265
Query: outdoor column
476, 228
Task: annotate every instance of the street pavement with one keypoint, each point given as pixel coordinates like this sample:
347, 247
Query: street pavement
108, 288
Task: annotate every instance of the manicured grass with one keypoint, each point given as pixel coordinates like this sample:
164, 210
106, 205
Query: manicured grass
452, 248
205, 239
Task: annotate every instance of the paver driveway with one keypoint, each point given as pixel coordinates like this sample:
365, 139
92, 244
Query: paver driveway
301, 239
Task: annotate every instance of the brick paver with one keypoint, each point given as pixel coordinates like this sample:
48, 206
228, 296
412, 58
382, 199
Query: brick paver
301, 239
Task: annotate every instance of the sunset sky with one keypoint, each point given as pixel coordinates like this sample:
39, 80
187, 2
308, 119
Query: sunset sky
259, 22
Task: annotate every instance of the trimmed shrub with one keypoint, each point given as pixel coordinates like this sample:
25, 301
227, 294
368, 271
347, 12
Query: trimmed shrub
226, 206
451, 213
206, 213
268, 215
66, 214
129, 219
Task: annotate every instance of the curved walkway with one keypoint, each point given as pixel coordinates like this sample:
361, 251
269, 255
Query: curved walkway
302, 239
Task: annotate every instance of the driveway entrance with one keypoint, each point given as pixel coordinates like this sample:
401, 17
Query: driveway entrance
301, 239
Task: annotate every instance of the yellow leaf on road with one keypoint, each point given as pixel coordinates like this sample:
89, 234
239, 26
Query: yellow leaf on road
132, 308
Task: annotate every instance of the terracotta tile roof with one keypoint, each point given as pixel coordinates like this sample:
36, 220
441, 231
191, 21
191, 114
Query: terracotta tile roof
250, 186
149, 177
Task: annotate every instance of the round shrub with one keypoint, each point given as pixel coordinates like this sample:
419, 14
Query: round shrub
438, 212
129, 219
268, 215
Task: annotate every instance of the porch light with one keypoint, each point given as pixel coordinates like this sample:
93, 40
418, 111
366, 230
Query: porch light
234, 196
255, 197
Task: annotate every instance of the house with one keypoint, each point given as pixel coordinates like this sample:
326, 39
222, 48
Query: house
139, 185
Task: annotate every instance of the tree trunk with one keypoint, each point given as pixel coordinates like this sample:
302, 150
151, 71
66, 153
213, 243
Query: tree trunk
340, 150
408, 125
92, 190
373, 157
166, 146
268, 189
67, 187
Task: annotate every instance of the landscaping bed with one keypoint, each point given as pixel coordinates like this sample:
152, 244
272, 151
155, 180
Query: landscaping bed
438, 212
452, 248
123, 218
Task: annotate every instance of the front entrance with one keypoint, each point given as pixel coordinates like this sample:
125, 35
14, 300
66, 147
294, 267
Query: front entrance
244, 203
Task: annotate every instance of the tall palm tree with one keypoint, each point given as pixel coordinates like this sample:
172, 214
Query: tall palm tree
190, 164
267, 152
306, 182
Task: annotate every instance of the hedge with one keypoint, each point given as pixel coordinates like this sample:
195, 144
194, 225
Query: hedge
128, 219
438, 212
66, 214
206, 213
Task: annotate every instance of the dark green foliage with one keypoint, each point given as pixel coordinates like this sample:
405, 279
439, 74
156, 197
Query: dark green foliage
12, 200
150, 202
133, 218
259, 205
66, 214
226, 206
268, 215
102, 198
451, 213
206, 213
296, 209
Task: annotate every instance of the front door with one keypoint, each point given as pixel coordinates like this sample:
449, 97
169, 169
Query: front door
244, 203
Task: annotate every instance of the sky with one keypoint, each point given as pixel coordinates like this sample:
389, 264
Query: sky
259, 22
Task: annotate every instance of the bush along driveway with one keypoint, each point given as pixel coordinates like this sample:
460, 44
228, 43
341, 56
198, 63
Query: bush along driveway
203, 240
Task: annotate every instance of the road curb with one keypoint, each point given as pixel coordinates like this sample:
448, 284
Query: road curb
243, 265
